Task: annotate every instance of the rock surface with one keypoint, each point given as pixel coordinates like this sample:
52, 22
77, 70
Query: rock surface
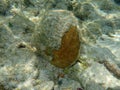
98, 24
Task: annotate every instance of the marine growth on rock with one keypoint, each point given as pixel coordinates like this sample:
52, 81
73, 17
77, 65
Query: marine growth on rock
57, 38
69, 49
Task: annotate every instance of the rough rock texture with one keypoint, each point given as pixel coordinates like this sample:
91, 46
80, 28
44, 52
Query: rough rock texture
65, 86
4, 5
91, 78
97, 23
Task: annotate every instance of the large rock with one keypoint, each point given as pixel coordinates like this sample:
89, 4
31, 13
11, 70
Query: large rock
58, 37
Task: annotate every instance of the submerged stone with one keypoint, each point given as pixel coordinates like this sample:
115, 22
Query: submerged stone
57, 38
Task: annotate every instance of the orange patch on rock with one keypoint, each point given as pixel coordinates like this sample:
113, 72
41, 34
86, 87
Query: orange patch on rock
69, 49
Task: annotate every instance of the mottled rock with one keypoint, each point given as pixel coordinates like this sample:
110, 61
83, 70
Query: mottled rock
96, 53
4, 6
98, 77
85, 11
48, 85
50, 4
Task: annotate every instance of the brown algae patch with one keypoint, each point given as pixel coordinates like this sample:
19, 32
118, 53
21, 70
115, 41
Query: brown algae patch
68, 50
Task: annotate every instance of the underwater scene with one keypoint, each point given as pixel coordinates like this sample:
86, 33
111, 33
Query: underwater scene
59, 44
